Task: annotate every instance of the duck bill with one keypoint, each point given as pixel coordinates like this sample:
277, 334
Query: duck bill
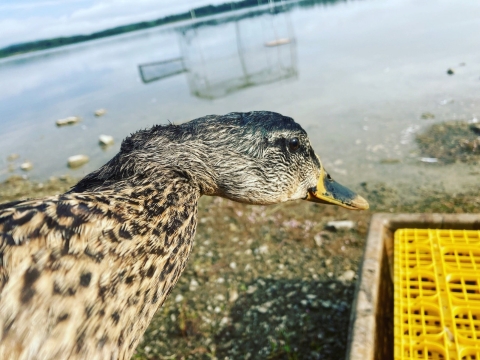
328, 191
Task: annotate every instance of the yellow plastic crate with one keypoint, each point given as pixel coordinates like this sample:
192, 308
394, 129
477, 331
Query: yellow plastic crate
437, 294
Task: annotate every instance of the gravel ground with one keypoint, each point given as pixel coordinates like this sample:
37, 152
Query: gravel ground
265, 282
274, 282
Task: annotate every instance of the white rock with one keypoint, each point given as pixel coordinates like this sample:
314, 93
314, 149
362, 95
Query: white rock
220, 280
318, 240
77, 161
105, 140
26, 166
347, 276
262, 250
193, 285
219, 297
233, 296
178, 298
262, 309
233, 265
68, 121
326, 303
429, 160
217, 309
340, 225
225, 320
100, 112
251, 289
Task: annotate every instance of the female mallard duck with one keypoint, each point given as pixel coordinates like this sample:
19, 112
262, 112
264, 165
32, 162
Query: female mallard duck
82, 274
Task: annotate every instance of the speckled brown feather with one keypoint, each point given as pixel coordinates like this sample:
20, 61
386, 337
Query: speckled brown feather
82, 274
107, 261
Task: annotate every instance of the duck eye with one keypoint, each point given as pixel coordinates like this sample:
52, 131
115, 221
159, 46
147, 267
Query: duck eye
293, 144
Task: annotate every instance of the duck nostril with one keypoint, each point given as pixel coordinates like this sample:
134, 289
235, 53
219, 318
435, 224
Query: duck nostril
329, 177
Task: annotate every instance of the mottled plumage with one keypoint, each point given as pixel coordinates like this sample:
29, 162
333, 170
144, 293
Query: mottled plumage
82, 274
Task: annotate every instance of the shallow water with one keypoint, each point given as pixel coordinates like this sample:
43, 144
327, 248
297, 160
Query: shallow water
356, 75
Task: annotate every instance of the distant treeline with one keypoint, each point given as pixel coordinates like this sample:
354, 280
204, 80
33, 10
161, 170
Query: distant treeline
199, 12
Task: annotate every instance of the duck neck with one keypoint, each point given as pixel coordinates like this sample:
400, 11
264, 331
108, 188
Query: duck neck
148, 249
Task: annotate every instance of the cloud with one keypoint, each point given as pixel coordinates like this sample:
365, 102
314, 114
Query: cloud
23, 21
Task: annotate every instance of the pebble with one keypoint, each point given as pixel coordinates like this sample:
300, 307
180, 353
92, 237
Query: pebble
233, 296
326, 303
76, 161
105, 140
178, 298
340, 225
251, 289
219, 297
450, 71
427, 116
318, 240
262, 250
233, 265
429, 160
26, 166
389, 161
100, 112
193, 285
262, 309
68, 121
347, 276
220, 280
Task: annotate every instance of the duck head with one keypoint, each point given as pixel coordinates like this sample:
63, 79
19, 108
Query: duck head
257, 157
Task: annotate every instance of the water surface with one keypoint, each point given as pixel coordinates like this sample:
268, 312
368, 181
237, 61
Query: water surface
356, 75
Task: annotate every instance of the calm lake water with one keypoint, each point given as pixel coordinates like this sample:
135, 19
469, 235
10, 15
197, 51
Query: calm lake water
356, 75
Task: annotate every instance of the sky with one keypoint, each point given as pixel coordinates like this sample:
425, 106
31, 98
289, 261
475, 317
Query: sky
28, 20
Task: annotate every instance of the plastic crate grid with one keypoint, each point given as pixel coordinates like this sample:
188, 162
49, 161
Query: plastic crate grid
437, 294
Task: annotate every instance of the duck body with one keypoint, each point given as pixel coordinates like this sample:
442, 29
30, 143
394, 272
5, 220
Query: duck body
106, 261
83, 273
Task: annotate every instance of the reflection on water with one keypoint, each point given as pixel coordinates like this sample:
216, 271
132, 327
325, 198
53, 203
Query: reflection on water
231, 53
356, 75
161, 69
